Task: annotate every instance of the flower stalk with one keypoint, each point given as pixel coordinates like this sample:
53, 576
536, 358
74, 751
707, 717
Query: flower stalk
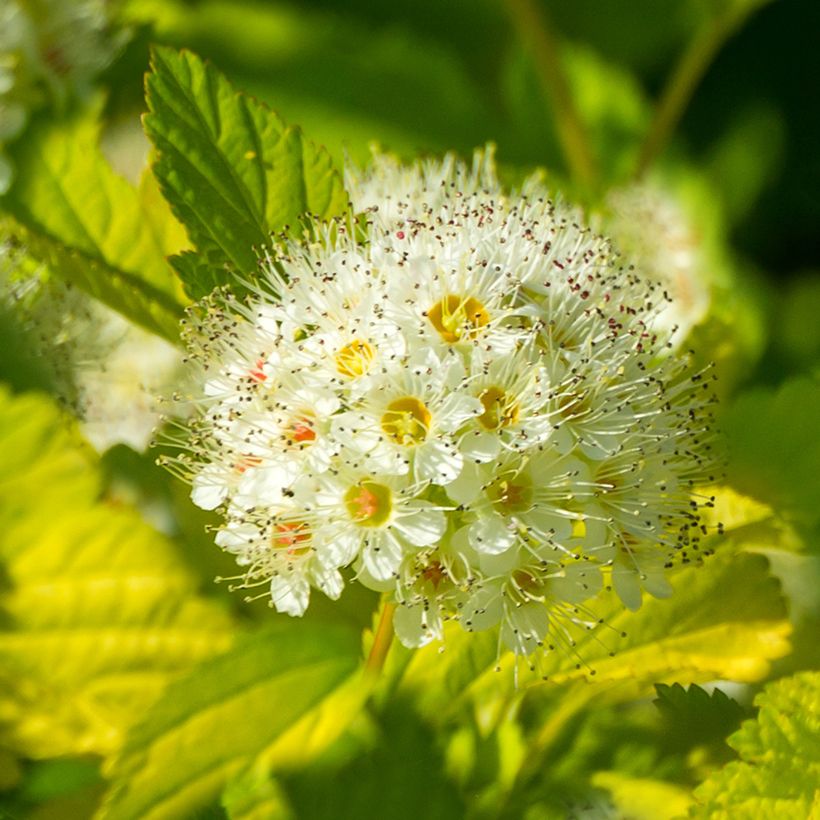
535, 30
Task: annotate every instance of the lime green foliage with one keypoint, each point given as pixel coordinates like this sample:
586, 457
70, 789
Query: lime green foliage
98, 612
232, 171
91, 226
256, 796
639, 798
232, 711
725, 620
774, 440
778, 774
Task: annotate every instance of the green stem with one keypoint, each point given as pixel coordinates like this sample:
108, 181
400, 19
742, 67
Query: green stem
535, 31
685, 78
382, 639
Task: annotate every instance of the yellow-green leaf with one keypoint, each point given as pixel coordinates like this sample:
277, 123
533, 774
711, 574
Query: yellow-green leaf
99, 611
214, 723
91, 226
639, 798
724, 620
778, 774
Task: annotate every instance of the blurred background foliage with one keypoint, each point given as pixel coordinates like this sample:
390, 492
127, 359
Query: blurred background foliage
688, 130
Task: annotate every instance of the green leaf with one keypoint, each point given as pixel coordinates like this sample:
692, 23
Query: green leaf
91, 227
247, 699
402, 776
99, 611
640, 798
199, 276
256, 796
775, 444
232, 171
778, 774
692, 715
724, 620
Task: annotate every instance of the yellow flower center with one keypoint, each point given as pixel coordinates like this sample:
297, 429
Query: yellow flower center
456, 316
500, 409
355, 359
369, 504
406, 421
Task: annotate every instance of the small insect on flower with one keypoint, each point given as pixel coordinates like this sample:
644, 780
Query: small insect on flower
465, 403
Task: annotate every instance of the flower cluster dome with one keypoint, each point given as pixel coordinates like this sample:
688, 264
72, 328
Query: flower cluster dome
456, 398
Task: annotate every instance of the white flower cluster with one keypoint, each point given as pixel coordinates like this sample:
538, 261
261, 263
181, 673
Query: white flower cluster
48, 50
652, 228
458, 400
107, 370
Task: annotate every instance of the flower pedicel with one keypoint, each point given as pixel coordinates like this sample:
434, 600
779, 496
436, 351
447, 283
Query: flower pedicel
462, 400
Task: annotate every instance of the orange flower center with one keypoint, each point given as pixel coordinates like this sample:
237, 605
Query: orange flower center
289, 536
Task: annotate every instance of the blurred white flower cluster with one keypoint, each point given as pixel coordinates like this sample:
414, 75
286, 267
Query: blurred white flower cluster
460, 398
652, 229
49, 49
107, 370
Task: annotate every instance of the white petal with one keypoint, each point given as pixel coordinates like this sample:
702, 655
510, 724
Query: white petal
627, 586
499, 563
456, 410
467, 486
208, 495
438, 463
562, 439
263, 486
491, 534
547, 523
576, 584
364, 577
479, 445
416, 626
598, 448
330, 581
381, 556
236, 537
340, 549
483, 609
290, 593
596, 531
656, 584
423, 527
525, 627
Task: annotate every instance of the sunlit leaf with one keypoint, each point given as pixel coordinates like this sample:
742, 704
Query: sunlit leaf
643, 799
232, 171
256, 796
725, 620
99, 611
218, 720
778, 774
91, 226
